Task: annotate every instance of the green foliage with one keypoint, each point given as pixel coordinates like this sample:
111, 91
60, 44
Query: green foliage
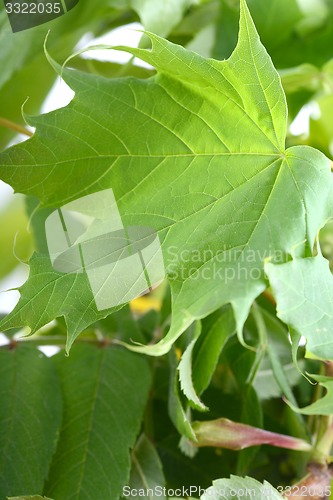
50, 294
81, 414
307, 284
31, 405
104, 392
35, 497
323, 406
238, 488
291, 33
197, 146
146, 471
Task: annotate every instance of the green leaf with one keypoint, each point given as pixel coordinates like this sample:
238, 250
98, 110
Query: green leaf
214, 147
179, 417
323, 406
30, 418
238, 488
110, 69
277, 373
146, 472
216, 330
199, 360
160, 16
304, 292
49, 294
185, 372
105, 391
35, 497
67, 288
285, 376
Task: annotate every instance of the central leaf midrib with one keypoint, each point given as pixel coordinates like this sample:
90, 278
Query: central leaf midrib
171, 155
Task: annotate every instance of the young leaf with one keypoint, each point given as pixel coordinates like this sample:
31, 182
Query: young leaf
185, 372
235, 436
238, 488
176, 411
324, 405
304, 292
200, 358
202, 161
30, 419
105, 391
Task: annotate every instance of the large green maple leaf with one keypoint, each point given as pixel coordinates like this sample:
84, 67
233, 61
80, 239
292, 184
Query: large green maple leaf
198, 153
304, 292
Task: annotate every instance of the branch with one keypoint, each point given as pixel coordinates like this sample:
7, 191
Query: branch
14, 126
56, 340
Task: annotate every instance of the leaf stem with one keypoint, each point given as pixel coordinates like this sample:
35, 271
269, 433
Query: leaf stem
262, 333
324, 445
260, 324
56, 340
314, 421
15, 126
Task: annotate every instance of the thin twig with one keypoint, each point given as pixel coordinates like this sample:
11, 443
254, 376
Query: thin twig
56, 340
15, 126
